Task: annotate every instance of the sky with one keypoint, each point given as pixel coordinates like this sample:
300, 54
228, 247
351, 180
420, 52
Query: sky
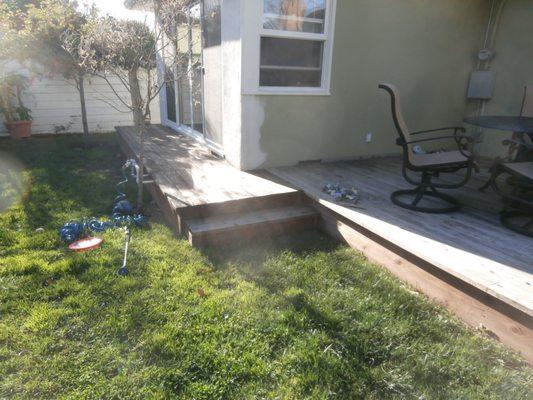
116, 9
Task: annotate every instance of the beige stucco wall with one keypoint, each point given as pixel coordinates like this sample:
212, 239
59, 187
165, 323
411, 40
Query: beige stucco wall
513, 64
426, 47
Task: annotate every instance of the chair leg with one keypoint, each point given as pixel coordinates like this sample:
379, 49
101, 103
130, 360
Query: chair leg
425, 189
494, 172
420, 193
518, 221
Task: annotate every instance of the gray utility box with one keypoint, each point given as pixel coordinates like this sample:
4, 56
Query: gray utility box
481, 86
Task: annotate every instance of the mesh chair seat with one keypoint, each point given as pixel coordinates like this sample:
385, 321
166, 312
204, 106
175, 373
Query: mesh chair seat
524, 169
441, 159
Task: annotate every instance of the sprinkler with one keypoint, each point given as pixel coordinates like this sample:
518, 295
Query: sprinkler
123, 271
122, 216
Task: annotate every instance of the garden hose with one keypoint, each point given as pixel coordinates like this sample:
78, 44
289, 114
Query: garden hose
122, 216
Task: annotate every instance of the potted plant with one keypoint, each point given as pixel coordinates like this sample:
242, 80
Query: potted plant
17, 117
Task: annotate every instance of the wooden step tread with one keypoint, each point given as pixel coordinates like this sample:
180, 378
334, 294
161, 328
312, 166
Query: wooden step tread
234, 221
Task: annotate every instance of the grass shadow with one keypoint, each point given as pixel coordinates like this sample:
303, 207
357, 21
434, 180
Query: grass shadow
68, 177
264, 248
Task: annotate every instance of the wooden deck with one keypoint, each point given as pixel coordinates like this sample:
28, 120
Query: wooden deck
204, 197
465, 261
469, 248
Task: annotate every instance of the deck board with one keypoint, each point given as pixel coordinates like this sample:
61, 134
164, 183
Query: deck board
470, 244
190, 175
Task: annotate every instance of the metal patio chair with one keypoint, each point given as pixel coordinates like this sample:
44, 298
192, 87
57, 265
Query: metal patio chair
428, 165
512, 178
520, 144
517, 194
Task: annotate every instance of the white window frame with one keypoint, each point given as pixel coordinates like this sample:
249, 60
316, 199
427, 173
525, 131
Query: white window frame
253, 31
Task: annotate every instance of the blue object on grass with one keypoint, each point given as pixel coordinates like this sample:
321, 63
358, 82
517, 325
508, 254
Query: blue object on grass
123, 207
71, 231
132, 166
74, 230
121, 216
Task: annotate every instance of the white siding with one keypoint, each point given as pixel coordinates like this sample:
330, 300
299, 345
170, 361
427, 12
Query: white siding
55, 106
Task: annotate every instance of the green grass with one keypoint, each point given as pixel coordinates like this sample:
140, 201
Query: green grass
291, 318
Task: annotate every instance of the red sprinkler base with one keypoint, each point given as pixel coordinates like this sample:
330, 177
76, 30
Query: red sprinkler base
86, 244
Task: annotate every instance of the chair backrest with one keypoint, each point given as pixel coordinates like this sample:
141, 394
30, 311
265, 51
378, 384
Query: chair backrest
399, 122
527, 111
527, 102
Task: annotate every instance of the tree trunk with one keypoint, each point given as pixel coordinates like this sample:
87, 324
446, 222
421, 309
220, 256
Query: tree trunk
138, 119
140, 189
136, 97
81, 90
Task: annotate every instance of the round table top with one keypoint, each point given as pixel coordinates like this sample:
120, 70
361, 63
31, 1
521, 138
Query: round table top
511, 124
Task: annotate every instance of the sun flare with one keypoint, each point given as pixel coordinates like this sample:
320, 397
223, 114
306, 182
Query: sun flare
12, 182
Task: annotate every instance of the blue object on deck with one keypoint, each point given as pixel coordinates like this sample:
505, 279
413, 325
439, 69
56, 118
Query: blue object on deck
342, 194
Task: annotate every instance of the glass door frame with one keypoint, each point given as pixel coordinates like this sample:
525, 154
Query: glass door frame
178, 126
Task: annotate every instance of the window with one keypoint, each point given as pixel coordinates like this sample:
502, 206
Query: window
294, 15
295, 45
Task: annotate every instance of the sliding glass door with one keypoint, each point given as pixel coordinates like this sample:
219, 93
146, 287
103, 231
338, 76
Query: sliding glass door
194, 95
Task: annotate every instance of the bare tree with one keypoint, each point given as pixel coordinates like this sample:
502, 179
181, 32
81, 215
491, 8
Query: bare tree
127, 51
31, 32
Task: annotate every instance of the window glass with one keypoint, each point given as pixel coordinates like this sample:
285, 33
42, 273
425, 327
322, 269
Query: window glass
170, 92
212, 23
291, 62
294, 15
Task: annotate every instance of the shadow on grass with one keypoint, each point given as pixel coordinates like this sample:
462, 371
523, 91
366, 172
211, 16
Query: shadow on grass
251, 263
258, 251
67, 176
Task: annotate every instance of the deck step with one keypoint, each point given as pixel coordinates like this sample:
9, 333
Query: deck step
243, 205
226, 228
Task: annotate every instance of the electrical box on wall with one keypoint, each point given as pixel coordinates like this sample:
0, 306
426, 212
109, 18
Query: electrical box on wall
481, 86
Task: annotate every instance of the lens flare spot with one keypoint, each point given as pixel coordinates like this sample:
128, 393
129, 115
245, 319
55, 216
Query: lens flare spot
13, 186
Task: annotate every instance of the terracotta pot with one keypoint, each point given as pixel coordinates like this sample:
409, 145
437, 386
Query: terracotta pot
19, 129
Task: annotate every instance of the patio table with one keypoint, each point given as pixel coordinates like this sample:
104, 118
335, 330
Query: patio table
509, 124
519, 125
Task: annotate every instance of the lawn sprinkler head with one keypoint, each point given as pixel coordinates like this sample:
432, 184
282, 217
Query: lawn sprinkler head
123, 271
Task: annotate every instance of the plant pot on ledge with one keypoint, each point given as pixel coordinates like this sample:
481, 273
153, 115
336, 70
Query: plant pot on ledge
19, 129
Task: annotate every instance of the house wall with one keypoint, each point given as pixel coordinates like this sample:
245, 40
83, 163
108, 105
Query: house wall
232, 62
55, 106
513, 64
426, 47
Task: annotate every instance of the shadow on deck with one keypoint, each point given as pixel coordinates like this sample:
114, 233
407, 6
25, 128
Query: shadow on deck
208, 200
465, 261
469, 249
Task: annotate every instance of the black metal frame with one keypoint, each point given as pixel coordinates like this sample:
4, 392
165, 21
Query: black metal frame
425, 186
518, 203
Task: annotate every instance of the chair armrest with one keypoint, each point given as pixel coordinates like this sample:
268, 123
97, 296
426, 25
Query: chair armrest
449, 128
457, 138
507, 142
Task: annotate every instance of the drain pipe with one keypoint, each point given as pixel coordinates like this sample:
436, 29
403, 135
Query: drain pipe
485, 57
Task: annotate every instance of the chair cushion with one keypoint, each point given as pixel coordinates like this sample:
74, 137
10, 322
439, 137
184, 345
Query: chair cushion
439, 159
524, 169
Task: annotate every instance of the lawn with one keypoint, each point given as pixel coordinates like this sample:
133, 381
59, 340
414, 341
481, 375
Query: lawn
291, 318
